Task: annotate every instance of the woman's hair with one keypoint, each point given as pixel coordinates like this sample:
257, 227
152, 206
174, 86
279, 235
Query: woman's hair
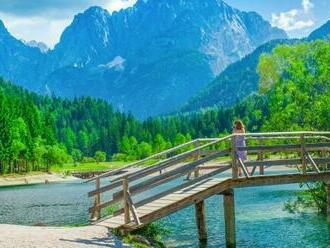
238, 125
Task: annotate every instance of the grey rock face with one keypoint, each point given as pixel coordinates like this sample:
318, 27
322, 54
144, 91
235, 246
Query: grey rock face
151, 58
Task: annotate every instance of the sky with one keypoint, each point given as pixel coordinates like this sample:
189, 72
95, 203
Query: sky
45, 20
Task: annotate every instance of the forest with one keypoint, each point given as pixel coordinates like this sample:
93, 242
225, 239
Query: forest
37, 131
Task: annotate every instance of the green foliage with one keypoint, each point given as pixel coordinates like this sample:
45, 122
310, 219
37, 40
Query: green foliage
312, 198
100, 156
153, 232
295, 80
76, 155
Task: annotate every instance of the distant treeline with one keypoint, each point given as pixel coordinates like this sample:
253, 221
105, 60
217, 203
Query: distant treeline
37, 132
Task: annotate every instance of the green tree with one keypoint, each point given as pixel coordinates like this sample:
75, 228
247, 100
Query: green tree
100, 156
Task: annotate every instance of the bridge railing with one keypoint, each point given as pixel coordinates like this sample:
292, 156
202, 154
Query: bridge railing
264, 150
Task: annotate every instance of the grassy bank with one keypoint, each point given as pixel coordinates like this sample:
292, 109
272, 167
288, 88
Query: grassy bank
84, 167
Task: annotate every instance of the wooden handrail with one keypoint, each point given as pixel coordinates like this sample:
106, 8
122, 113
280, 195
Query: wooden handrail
163, 178
150, 170
207, 152
113, 172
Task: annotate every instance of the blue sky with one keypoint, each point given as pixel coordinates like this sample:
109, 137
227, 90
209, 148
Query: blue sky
33, 19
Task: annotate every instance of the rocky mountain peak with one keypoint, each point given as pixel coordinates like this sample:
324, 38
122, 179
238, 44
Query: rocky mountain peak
153, 56
86, 40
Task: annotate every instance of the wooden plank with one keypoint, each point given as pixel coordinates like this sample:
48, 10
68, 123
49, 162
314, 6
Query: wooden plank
284, 147
287, 134
311, 160
184, 185
246, 173
96, 214
143, 160
146, 171
253, 170
229, 214
230, 183
104, 204
176, 158
126, 202
261, 158
279, 179
302, 154
281, 162
170, 175
133, 210
201, 221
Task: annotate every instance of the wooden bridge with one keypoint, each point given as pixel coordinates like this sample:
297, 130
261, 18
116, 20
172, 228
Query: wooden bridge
155, 187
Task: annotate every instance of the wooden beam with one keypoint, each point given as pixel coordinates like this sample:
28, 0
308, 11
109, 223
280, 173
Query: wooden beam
302, 154
196, 172
179, 187
126, 202
201, 221
280, 162
243, 168
229, 184
261, 158
133, 209
285, 147
253, 170
96, 214
229, 214
311, 160
170, 175
110, 173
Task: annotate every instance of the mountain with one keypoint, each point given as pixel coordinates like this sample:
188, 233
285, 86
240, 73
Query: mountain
151, 58
40, 45
321, 33
240, 79
19, 62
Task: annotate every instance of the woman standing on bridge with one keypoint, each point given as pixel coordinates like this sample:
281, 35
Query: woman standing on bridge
238, 128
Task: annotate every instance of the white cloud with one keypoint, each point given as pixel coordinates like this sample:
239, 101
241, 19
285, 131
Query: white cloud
113, 5
295, 19
46, 24
307, 5
35, 28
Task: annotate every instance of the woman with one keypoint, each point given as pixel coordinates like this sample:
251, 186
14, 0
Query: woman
238, 127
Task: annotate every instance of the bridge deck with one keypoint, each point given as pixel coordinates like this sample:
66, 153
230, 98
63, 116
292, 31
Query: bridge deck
164, 205
308, 152
199, 191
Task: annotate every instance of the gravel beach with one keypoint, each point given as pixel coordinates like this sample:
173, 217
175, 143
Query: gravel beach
14, 236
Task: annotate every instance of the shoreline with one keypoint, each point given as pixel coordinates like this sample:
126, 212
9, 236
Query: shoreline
13, 236
31, 179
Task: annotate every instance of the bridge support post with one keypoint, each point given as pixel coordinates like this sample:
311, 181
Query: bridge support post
328, 201
229, 213
96, 215
303, 154
201, 221
126, 204
261, 158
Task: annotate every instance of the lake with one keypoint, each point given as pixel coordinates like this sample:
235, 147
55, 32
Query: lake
261, 220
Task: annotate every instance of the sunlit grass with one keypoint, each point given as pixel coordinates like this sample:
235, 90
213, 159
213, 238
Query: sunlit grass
82, 167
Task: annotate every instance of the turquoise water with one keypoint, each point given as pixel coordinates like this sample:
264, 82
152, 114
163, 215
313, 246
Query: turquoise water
260, 218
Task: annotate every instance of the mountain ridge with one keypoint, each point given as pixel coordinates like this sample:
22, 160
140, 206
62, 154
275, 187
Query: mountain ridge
240, 79
150, 58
